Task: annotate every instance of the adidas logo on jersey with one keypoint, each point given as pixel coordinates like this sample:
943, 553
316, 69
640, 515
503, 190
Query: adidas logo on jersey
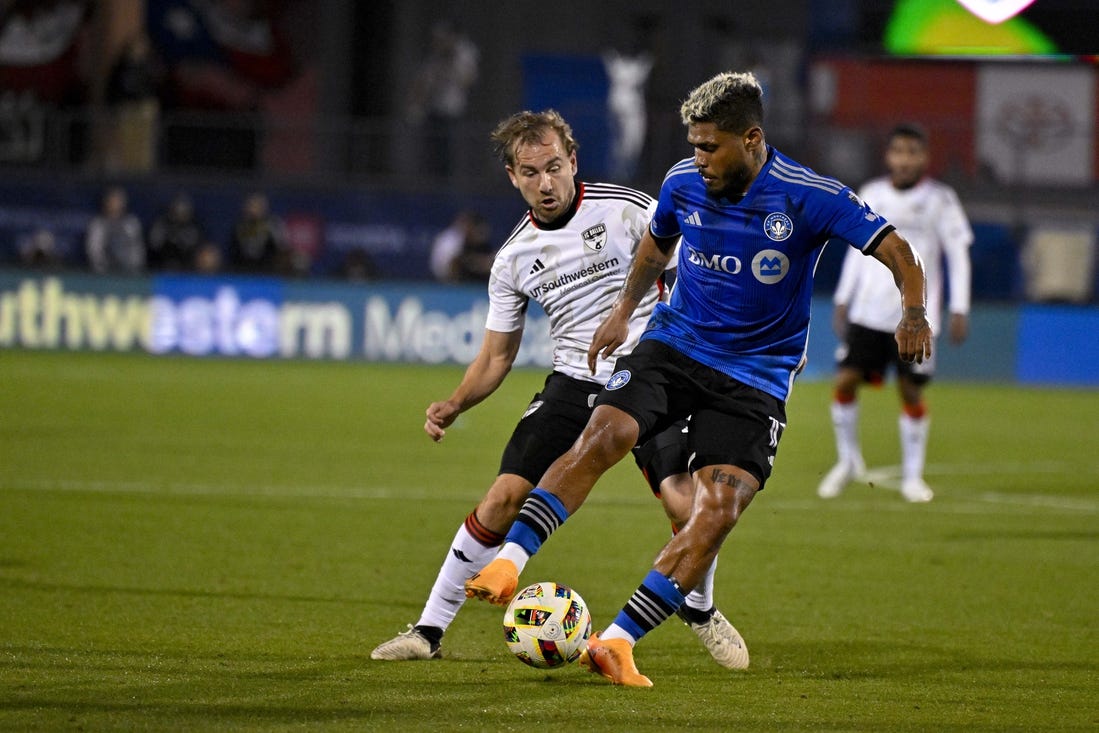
538, 266
694, 219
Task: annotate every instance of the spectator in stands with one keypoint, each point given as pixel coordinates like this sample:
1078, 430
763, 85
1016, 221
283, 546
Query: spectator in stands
175, 236
358, 265
39, 250
474, 263
114, 242
208, 259
627, 75
258, 242
133, 89
439, 95
463, 251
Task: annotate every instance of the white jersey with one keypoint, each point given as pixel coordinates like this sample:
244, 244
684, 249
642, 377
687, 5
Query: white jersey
931, 218
574, 269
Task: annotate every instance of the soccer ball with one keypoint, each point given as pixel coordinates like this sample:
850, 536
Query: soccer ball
547, 625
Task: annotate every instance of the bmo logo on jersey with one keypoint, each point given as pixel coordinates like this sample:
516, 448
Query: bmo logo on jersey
720, 263
769, 266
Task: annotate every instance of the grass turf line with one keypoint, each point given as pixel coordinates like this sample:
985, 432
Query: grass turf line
217, 545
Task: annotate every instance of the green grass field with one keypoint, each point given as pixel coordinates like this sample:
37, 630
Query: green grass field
218, 545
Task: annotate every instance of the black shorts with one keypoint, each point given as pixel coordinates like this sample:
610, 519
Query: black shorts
731, 423
552, 422
663, 455
871, 353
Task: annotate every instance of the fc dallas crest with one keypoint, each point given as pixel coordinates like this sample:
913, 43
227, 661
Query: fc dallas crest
595, 238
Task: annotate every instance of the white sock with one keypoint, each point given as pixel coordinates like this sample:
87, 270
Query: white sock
845, 425
449, 592
913, 432
702, 597
515, 553
614, 631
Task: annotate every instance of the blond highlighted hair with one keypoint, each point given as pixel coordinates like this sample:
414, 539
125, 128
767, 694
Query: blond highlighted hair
732, 101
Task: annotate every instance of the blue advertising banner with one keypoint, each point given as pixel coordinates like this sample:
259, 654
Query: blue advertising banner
254, 318
201, 316
1058, 345
411, 322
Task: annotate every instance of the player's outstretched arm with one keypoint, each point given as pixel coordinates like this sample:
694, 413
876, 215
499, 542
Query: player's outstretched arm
649, 263
483, 375
959, 328
913, 332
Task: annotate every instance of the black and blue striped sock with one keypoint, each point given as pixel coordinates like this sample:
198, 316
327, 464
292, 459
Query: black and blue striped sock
651, 604
541, 515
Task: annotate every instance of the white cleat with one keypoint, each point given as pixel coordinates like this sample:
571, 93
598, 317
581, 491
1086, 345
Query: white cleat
723, 641
406, 646
836, 480
916, 491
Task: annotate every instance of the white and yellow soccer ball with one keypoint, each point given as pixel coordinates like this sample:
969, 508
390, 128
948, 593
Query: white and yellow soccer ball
547, 625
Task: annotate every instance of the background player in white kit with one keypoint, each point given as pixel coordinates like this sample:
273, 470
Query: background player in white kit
570, 252
927, 212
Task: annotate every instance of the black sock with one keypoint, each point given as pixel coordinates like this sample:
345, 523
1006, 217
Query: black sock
693, 615
433, 634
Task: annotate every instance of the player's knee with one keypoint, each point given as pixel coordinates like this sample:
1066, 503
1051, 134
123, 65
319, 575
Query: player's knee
605, 442
714, 518
501, 505
720, 508
677, 495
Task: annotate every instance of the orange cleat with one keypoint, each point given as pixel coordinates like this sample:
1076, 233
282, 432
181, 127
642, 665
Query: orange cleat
496, 583
613, 659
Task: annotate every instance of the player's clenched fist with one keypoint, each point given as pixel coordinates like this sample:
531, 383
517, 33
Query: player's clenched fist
440, 415
914, 336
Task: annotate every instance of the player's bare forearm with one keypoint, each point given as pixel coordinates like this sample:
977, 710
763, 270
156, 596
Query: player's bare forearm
959, 327
643, 273
839, 321
649, 262
482, 377
897, 254
913, 332
489, 368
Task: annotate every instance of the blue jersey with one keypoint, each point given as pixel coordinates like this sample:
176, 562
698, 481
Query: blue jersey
741, 299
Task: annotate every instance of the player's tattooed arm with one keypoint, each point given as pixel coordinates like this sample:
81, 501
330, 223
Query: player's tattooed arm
643, 273
647, 265
898, 255
913, 332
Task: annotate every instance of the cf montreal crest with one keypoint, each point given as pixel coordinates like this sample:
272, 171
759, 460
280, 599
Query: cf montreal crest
595, 238
777, 226
618, 380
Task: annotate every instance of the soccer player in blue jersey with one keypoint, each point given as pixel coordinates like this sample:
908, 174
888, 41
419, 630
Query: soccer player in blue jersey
725, 349
570, 253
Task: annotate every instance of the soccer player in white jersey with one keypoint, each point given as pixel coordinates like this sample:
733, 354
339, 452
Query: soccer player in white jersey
725, 349
931, 218
570, 252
